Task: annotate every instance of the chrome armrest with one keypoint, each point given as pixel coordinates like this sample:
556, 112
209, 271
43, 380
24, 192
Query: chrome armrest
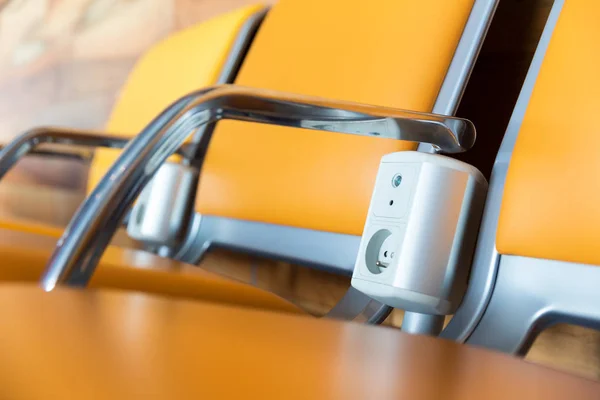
90, 230
54, 152
28, 143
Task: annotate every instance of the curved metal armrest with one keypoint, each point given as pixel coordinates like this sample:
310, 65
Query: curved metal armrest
52, 152
89, 232
28, 142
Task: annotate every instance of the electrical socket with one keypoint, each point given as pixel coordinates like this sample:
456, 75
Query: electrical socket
420, 232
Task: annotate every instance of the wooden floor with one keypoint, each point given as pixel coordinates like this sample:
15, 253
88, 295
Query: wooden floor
62, 62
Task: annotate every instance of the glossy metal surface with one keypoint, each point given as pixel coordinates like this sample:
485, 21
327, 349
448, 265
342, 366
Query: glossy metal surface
357, 306
240, 46
117, 345
465, 56
446, 134
532, 294
60, 153
160, 213
198, 144
332, 252
92, 227
230, 70
28, 142
422, 324
462, 64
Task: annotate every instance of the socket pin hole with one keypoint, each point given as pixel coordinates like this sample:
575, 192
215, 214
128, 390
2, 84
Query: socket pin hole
385, 253
391, 202
140, 215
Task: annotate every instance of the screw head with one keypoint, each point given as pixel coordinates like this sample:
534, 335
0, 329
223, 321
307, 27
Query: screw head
396, 180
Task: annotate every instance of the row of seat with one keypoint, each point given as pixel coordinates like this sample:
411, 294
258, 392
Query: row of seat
248, 213
303, 195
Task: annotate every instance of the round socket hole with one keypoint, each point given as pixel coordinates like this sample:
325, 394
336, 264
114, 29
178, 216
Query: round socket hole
139, 217
391, 202
396, 180
372, 251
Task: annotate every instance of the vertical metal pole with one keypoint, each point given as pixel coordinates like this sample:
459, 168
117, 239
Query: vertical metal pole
422, 324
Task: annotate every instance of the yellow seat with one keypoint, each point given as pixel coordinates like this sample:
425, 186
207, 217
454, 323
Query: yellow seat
185, 61
106, 345
550, 204
545, 195
24, 255
27, 226
200, 56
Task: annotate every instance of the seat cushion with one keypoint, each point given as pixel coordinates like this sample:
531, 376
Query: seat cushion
104, 345
384, 52
23, 257
550, 208
28, 226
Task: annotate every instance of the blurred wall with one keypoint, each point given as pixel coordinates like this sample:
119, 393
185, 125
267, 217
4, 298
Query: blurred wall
62, 62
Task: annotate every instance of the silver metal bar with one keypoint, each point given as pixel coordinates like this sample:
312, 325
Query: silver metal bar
359, 307
422, 324
58, 153
28, 142
89, 232
463, 62
465, 56
334, 251
236, 56
532, 294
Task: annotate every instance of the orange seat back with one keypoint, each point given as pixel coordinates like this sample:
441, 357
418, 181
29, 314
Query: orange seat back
551, 203
185, 61
385, 52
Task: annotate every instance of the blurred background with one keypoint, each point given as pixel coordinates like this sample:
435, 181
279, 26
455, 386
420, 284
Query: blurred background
63, 62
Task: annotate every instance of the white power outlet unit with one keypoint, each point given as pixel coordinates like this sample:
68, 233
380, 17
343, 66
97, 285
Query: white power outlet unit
420, 233
157, 216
